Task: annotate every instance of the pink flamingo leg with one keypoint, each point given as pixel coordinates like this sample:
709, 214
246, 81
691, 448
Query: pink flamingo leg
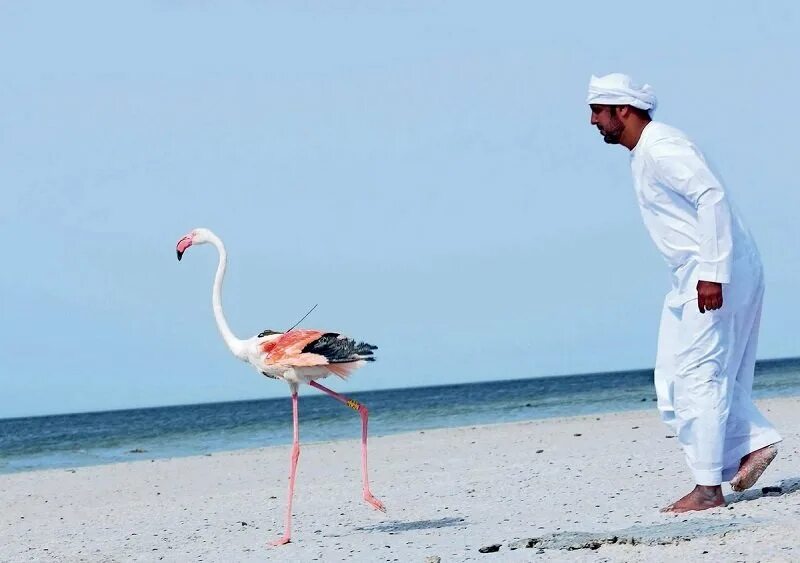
362, 410
292, 470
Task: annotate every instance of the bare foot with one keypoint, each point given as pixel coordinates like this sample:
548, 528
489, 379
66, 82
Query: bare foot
282, 541
701, 498
378, 505
752, 466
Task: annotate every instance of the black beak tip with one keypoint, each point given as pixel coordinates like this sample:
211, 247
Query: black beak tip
180, 255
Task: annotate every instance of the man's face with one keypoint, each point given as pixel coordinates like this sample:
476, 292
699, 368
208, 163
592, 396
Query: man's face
605, 118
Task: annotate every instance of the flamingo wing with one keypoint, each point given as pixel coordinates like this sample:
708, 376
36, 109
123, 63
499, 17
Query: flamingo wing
313, 348
288, 348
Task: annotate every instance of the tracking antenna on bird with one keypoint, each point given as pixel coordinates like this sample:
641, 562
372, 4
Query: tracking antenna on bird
304, 318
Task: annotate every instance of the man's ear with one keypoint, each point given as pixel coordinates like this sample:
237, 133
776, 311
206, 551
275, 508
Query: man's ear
623, 112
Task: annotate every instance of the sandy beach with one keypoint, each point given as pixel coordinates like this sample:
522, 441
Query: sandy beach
578, 489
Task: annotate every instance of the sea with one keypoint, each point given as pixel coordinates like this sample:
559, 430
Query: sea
75, 440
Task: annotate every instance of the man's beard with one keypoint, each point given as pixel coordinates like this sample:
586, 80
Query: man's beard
613, 134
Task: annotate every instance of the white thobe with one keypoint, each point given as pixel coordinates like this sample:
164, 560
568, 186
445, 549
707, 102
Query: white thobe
705, 362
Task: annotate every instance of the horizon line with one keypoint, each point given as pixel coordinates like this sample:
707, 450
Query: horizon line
434, 386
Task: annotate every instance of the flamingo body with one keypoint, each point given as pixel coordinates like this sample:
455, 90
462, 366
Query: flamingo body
301, 356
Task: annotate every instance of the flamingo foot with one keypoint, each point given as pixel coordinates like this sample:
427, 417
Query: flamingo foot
376, 504
282, 541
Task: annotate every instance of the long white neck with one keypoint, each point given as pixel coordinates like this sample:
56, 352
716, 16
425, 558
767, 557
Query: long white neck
235, 345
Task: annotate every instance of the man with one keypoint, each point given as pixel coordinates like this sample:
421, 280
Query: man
709, 324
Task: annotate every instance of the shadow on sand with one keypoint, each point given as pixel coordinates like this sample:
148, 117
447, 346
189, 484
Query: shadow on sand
656, 534
661, 534
785, 487
398, 526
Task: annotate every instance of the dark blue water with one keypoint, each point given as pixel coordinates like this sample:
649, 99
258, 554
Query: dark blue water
105, 437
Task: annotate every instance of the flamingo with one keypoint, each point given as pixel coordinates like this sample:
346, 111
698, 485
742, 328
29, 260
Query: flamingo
296, 357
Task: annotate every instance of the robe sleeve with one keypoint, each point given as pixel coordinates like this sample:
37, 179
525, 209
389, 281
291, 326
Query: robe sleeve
680, 167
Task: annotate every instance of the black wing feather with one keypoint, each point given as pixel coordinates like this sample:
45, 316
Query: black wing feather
338, 349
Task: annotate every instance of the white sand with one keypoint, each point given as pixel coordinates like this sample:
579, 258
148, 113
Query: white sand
448, 492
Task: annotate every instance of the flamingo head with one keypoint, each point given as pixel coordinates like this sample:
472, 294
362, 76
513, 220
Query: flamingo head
197, 236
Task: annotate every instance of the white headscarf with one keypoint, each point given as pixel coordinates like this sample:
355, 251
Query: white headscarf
620, 90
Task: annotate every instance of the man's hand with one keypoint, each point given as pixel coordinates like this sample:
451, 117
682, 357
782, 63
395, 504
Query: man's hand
709, 296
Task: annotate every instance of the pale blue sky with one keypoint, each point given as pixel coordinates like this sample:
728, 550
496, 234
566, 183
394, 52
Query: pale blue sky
425, 171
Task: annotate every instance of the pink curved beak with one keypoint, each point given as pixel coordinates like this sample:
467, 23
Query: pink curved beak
183, 244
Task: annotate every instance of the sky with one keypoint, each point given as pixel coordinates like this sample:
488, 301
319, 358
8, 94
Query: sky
423, 171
